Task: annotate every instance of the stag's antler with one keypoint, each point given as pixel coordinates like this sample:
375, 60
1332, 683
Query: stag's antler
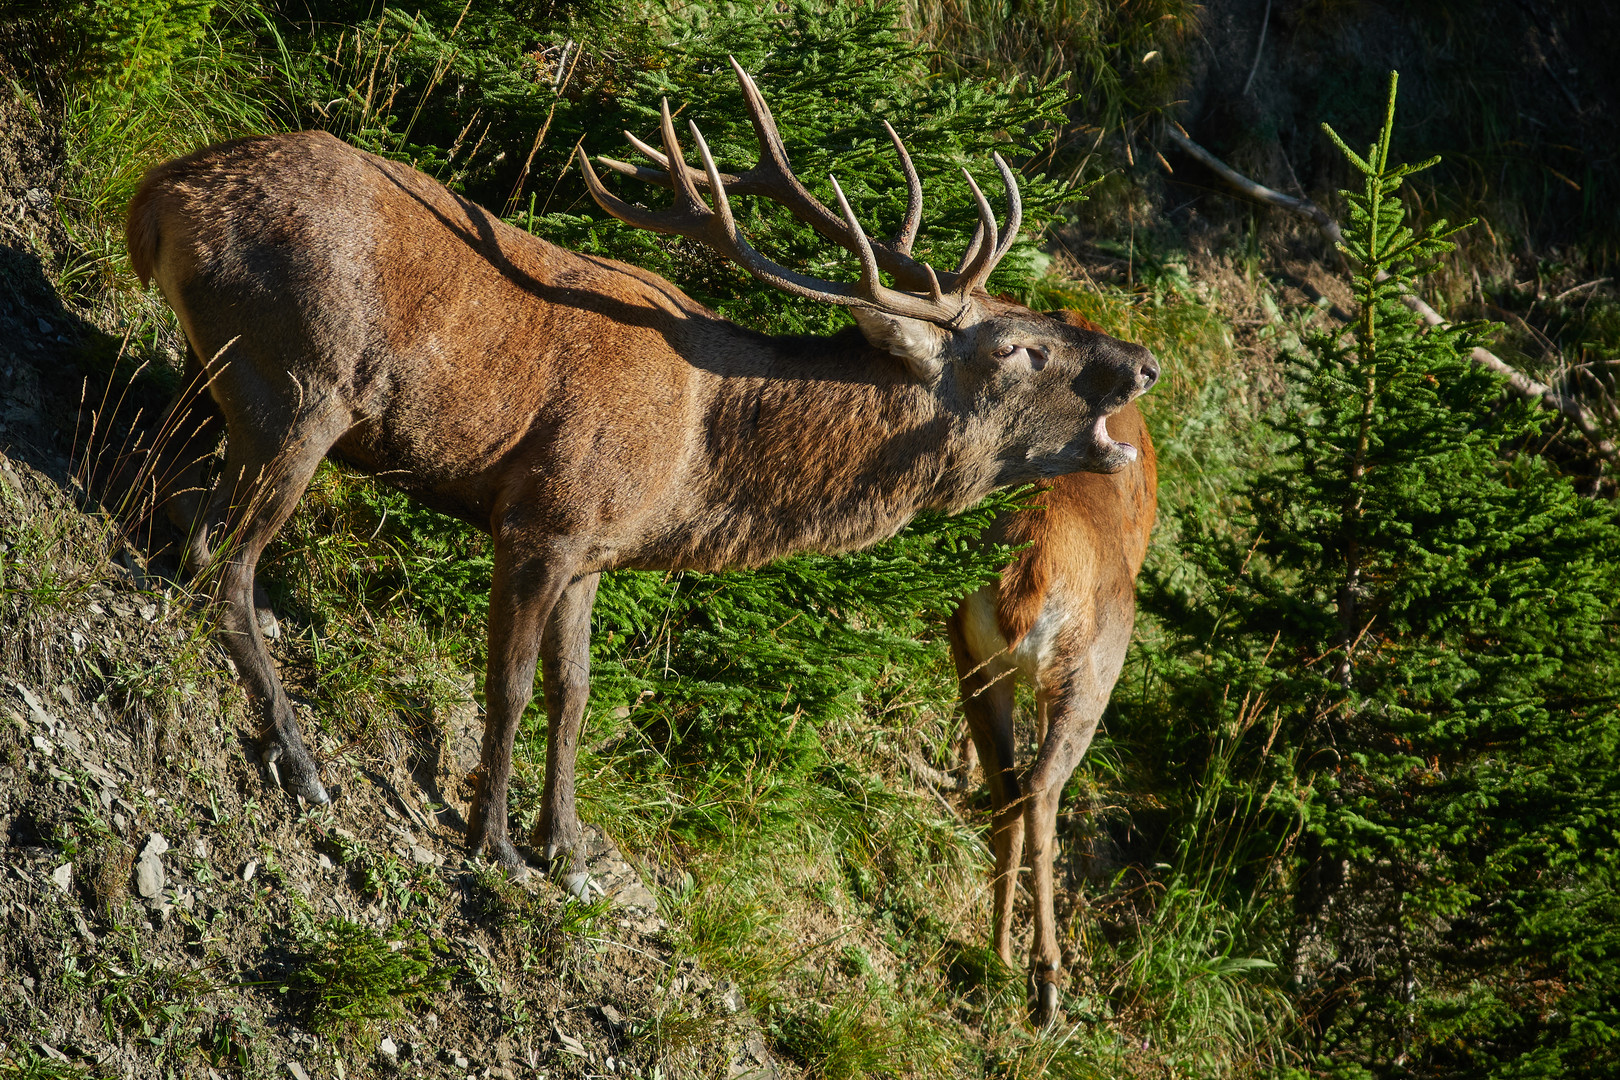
924, 294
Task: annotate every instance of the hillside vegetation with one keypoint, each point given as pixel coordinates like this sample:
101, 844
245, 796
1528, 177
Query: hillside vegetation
1353, 811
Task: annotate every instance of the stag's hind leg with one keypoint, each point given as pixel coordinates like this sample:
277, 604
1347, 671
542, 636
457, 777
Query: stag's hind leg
264, 477
174, 480
1074, 691
987, 700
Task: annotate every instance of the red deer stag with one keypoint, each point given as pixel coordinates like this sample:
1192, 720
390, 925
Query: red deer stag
1060, 618
586, 413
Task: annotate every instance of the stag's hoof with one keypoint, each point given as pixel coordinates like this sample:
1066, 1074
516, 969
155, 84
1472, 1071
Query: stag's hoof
581, 886
567, 869
294, 770
1044, 1008
566, 863
499, 850
511, 861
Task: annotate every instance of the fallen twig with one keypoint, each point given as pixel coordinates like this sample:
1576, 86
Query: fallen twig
1572, 410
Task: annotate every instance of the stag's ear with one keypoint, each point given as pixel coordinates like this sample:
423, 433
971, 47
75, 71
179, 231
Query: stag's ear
920, 344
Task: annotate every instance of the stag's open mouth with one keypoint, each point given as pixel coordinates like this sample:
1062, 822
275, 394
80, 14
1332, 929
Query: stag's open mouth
1108, 444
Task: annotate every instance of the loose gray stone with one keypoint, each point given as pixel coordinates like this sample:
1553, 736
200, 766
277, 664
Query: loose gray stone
149, 875
36, 708
63, 876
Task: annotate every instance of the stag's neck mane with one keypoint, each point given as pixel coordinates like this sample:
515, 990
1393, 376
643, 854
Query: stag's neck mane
792, 464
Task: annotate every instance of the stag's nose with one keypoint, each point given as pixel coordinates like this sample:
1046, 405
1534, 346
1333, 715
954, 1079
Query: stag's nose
1147, 374
1147, 368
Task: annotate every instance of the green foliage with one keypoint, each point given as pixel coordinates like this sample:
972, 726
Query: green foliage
146, 998
130, 44
839, 1043
1123, 63
1430, 618
386, 878
142, 81
350, 976
27, 1064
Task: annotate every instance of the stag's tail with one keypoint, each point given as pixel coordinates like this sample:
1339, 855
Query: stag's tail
141, 227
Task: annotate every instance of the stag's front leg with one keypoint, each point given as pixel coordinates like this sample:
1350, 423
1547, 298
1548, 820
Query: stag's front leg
1045, 956
529, 581
565, 653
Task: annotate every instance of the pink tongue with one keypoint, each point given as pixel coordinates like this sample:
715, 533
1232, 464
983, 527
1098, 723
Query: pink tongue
1106, 442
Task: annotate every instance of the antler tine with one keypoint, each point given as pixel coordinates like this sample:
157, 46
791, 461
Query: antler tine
653, 176
717, 189
771, 147
971, 252
686, 196
680, 223
1015, 209
914, 196
869, 270
658, 156
984, 252
973, 271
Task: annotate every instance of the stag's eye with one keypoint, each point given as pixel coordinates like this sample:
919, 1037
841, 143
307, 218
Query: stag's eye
1036, 354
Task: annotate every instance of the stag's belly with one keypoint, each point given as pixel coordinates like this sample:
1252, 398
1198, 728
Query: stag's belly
988, 644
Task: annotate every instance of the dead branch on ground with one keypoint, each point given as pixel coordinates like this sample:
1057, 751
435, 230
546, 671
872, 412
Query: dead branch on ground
1546, 396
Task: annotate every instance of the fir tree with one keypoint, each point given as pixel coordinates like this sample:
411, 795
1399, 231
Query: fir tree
1429, 612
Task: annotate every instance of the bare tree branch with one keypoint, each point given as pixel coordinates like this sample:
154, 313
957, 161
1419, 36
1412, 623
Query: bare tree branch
1572, 410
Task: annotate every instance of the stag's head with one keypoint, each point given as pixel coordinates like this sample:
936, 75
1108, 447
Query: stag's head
1055, 378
